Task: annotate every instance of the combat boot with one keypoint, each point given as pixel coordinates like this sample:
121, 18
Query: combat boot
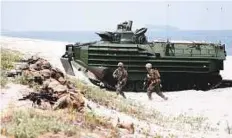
123, 95
162, 95
149, 95
117, 89
165, 98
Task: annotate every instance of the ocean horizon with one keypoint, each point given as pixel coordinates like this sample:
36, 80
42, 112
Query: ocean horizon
215, 36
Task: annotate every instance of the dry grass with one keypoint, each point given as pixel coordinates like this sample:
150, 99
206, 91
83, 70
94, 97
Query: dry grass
27, 80
30, 124
111, 101
8, 57
4, 79
33, 123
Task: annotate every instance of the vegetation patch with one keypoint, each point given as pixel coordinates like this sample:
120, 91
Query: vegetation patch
27, 80
8, 58
110, 100
30, 124
4, 79
33, 123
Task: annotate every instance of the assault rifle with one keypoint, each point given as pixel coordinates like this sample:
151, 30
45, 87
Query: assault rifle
145, 83
37, 97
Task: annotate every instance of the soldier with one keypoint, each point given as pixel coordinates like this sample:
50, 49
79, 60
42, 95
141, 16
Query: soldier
33, 59
46, 65
153, 77
121, 75
58, 75
46, 74
70, 100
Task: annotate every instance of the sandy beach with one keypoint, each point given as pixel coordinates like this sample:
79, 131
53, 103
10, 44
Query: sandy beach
213, 104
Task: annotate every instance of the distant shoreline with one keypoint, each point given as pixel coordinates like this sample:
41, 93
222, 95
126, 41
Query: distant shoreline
87, 36
31, 39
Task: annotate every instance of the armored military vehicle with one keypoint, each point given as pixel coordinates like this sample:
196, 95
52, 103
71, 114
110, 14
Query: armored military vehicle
182, 64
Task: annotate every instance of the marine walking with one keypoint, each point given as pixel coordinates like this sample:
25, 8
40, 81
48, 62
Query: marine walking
153, 82
121, 75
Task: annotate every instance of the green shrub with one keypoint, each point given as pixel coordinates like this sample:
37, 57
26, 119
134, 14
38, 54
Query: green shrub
4, 79
8, 57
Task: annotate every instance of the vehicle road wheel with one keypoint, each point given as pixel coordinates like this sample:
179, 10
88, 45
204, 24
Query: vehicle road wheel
130, 86
139, 86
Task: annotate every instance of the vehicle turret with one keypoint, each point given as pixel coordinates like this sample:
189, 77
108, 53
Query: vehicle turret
124, 34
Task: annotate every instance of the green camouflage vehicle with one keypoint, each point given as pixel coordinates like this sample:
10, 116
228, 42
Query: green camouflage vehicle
182, 64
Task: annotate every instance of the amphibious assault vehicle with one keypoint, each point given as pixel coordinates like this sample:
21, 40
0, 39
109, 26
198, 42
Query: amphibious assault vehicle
182, 64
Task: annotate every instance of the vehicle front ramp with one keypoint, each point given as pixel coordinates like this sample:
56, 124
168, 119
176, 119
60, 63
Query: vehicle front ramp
66, 63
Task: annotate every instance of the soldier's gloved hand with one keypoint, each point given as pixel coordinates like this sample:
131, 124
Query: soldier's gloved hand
114, 76
102, 84
120, 82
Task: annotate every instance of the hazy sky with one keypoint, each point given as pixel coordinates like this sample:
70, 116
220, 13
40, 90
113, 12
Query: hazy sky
77, 15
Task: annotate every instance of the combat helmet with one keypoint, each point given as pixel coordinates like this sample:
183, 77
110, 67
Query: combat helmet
120, 64
34, 57
46, 65
148, 65
46, 73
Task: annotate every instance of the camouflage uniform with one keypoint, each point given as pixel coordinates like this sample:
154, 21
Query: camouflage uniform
33, 59
121, 75
46, 65
154, 82
46, 74
70, 100
58, 75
